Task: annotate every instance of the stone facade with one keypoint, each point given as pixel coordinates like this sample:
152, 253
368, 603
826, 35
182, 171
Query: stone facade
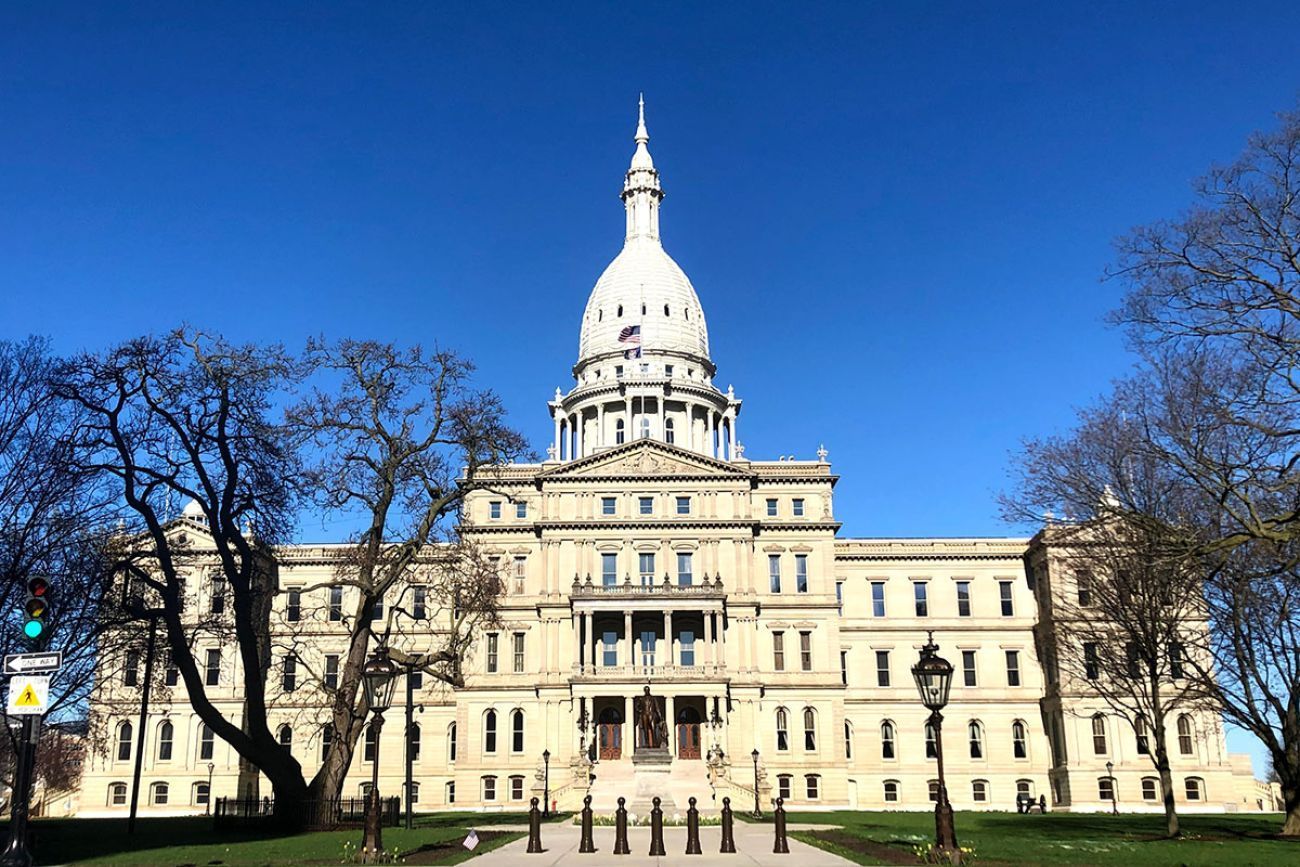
649, 550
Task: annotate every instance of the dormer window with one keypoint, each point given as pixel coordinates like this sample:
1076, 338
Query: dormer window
666, 313
600, 314
643, 308
620, 311
668, 371
618, 371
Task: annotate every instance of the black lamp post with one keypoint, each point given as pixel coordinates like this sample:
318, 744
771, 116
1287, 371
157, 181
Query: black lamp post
758, 809
207, 806
379, 676
546, 783
1110, 775
933, 676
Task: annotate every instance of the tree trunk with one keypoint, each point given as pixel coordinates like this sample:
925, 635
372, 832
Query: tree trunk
1291, 802
1166, 777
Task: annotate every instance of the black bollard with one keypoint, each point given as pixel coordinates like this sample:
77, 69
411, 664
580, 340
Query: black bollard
534, 829
728, 833
620, 830
657, 830
587, 845
782, 846
693, 830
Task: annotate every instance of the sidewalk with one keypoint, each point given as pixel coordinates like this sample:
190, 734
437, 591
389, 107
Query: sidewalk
753, 847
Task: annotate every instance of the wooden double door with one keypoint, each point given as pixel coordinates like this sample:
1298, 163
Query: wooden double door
609, 734
688, 733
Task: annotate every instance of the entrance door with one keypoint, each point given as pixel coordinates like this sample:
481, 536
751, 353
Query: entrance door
610, 734
688, 733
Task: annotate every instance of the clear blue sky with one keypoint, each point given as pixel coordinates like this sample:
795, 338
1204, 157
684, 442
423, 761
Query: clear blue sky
896, 216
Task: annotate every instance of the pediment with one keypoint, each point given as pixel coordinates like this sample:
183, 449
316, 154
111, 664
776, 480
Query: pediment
646, 459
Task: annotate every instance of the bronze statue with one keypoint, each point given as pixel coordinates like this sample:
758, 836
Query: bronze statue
650, 724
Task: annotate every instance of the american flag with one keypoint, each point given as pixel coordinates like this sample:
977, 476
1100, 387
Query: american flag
631, 335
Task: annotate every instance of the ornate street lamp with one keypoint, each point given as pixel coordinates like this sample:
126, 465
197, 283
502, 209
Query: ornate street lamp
758, 809
378, 676
933, 676
1110, 775
546, 784
208, 805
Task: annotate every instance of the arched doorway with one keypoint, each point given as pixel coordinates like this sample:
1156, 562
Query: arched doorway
610, 733
688, 733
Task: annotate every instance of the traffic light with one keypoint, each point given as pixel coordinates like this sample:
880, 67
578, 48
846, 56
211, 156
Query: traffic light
37, 608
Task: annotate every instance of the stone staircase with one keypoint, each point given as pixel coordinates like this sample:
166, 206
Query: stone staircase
674, 784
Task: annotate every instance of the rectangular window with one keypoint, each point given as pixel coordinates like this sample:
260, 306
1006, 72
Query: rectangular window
646, 505
494, 509
1013, 668
377, 609
618, 371
771, 508
796, 507
1175, 660
844, 667
131, 671
839, 596
336, 604
784, 786
683, 505
212, 669
420, 602
882, 668
610, 653
922, 600
1091, 663
293, 610
171, 674
648, 641
668, 371
963, 599
518, 640
290, 680
646, 564
687, 640
417, 679
521, 510
801, 573
778, 651
218, 594
608, 505
489, 788
1004, 594
332, 671
968, 667
774, 572
877, 598
492, 653
805, 650
1084, 580
685, 577
520, 575
608, 568
516, 788
812, 783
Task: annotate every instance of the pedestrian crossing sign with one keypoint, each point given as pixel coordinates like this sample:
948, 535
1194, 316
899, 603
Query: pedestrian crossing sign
28, 694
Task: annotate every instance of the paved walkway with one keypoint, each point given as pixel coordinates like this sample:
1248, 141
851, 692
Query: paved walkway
753, 847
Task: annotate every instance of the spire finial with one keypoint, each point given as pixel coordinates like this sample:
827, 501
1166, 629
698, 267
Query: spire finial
641, 135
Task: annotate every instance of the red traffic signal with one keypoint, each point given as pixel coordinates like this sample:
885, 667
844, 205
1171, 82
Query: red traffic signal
38, 587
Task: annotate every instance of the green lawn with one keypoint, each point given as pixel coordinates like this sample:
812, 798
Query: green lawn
173, 842
1058, 838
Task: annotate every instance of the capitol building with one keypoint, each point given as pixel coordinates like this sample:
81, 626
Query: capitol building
650, 554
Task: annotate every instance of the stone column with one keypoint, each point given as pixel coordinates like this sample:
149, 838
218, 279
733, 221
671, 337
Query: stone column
579, 621
670, 717
557, 433
591, 637
627, 638
731, 436
600, 425
721, 636
668, 637
629, 730
711, 450
708, 637
580, 426
627, 418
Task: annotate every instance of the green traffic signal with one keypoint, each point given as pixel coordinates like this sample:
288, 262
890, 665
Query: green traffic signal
33, 628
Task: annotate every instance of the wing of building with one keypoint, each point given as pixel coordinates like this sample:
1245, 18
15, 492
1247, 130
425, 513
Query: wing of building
649, 555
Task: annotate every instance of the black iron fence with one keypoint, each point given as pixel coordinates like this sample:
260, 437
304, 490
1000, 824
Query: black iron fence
325, 813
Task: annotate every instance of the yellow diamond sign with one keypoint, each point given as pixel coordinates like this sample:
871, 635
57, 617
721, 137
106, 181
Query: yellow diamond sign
28, 694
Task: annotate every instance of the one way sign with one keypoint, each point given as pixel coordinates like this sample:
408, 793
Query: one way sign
34, 663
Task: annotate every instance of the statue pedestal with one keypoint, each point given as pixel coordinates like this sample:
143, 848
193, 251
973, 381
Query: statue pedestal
651, 756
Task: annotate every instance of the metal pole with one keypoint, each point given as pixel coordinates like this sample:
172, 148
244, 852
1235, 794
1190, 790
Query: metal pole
16, 853
207, 807
758, 809
410, 759
144, 717
546, 784
944, 830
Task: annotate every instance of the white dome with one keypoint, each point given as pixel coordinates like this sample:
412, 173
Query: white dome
643, 286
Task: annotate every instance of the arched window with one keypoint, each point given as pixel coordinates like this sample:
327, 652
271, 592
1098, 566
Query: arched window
976, 732
1185, 734
1099, 734
517, 732
413, 741
489, 788
1150, 788
668, 430
285, 736
931, 744
368, 751
490, 732
619, 432
124, 733
451, 743
643, 308
782, 729
199, 794
1143, 741
600, 314
117, 794
326, 740
848, 740
449, 792
166, 734
809, 729
159, 793
812, 786
1106, 788
891, 791
207, 742
1024, 789
887, 740
666, 313
414, 792
620, 311
979, 791
933, 787
364, 790
1019, 746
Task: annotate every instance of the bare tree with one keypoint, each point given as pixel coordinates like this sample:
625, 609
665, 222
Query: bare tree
186, 418
402, 438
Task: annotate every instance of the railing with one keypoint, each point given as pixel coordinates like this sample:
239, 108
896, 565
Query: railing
319, 814
659, 672
706, 589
